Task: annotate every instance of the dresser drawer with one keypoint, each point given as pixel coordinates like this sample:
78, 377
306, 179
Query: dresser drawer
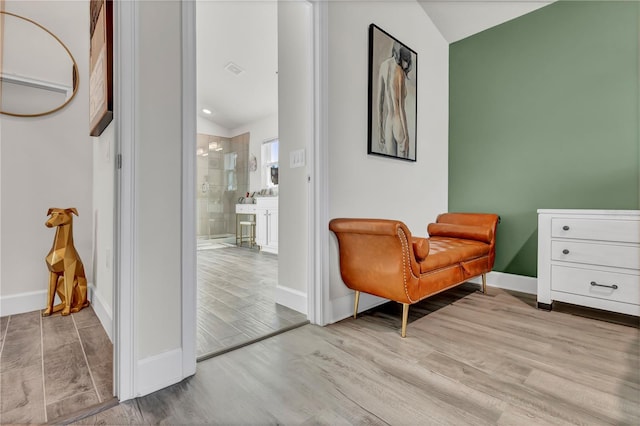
596, 229
579, 281
617, 256
246, 208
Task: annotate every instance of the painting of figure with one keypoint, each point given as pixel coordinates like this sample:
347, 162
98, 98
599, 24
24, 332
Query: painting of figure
392, 96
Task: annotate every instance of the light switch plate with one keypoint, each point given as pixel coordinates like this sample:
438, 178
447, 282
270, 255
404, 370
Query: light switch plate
297, 158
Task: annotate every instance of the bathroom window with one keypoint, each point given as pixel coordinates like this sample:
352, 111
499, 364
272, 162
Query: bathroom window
270, 163
230, 160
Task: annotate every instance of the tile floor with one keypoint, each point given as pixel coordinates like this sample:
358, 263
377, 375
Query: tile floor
52, 367
236, 298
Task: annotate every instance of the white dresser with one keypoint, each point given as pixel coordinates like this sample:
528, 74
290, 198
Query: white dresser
589, 258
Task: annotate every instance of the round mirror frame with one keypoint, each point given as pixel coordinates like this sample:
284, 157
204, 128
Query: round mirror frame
75, 78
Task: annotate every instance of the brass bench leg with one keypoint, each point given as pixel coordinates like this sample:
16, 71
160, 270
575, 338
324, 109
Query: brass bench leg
484, 283
405, 316
355, 304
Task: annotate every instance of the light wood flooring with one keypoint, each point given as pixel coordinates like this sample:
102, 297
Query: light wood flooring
53, 367
236, 299
468, 359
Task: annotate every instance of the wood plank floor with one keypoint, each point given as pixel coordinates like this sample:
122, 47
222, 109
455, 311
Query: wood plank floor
468, 359
52, 367
236, 298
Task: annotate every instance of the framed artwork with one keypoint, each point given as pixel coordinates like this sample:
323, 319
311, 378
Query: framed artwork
100, 66
393, 88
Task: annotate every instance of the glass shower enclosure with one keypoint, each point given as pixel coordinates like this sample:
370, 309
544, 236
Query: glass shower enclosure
222, 178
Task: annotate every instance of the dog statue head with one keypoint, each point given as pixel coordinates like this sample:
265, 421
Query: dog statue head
60, 217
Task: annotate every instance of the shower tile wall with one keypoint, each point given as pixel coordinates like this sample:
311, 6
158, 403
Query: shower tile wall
223, 177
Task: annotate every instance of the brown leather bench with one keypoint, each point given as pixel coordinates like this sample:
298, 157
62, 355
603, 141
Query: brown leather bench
381, 257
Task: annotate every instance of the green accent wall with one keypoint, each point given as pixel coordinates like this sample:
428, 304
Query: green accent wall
544, 113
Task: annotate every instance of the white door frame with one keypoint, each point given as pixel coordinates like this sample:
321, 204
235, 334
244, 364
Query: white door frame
125, 46
189, 131
318, 282
125, 68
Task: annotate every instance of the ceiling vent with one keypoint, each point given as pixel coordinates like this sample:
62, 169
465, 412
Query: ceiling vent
234, 68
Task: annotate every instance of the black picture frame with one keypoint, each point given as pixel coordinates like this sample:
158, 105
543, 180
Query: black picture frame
393, 69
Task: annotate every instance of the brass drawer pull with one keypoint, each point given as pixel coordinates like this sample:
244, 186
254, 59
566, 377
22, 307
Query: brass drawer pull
595, 284
566, 228
565, 251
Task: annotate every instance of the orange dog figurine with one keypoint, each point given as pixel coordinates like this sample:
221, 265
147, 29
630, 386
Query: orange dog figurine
66, 271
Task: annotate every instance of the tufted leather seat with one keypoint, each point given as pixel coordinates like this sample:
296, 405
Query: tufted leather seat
444, 251
381, 257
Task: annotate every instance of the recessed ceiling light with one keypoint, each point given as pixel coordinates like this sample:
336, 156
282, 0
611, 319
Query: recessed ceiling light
206, 111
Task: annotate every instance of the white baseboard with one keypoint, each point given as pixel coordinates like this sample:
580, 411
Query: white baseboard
293, 299
36, 300
103, 311
510, 282
159, 371
23, 302
342, 307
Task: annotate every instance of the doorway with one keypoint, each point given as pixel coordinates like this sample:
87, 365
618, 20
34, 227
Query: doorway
140, 372
237, 180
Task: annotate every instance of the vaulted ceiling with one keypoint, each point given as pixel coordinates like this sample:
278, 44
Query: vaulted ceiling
458, 19
243, 36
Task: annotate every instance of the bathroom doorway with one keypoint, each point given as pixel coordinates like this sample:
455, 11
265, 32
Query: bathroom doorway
237, 107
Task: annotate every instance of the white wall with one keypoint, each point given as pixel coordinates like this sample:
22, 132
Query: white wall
208, 127
295, 82
259, 132
158, 168
103, 222
45, 162
362, 185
